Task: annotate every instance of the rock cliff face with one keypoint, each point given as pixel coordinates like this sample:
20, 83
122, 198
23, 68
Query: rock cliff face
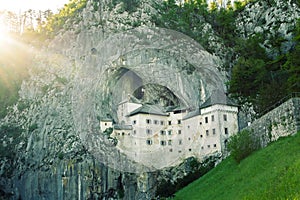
113, 50
276, 19
50, 161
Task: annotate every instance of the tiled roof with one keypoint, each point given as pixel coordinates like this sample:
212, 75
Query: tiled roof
106, 120
218, 97
149, 109
192, 114
122, 127
175, 108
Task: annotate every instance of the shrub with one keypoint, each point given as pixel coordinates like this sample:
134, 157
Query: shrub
193, 169
243, 144
108, 131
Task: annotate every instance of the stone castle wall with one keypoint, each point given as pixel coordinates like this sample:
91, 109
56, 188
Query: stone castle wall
281, 121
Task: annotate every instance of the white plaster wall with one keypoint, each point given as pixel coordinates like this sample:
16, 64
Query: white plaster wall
105, 124
197, 137
124, 108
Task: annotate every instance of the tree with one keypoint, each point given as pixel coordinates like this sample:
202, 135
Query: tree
65, 18
292, 64
243, 144
247, 76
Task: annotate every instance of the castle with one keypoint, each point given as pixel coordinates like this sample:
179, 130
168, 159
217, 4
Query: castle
159, 137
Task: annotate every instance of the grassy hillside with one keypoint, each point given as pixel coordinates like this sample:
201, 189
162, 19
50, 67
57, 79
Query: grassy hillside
270, 173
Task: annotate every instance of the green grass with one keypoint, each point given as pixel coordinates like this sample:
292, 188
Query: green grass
270, 173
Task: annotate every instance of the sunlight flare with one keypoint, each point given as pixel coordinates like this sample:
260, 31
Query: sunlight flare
3, 32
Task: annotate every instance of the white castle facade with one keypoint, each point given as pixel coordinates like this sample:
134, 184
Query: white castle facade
160, 137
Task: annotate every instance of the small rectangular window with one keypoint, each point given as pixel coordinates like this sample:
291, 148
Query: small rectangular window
105, 124
206, 119
179, 121
169, 132
148, 131
214, 131
148, 121
162, 123
207, 132
163, 143
190, 149
134, 132
170, 122
162, 132
169, 142
215, 145
208, 146
225, 117
226, 131
134, 122
179, 132
212, 118
180, 142
149, 141
155, 122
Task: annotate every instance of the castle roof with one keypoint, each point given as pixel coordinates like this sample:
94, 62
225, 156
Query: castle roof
218, 97
122, 127
192, 114
149, 109
106, 120
175, 109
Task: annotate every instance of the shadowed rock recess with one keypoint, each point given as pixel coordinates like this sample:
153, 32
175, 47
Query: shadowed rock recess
57, 150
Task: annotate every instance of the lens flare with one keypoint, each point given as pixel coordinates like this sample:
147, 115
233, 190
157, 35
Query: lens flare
3, 32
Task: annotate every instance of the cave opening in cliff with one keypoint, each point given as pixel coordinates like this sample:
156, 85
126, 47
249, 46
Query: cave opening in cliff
124, 82
156, 94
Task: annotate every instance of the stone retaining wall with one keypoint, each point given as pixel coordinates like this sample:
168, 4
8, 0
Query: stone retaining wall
281, 121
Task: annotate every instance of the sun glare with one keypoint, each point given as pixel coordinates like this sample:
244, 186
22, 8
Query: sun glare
3, 33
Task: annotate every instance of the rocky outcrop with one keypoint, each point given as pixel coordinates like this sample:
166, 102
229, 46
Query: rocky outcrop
50, 161
275, 19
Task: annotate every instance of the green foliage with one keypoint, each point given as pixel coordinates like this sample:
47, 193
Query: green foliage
108, 131
247, 75
166, 188
60, 155
14, 61
261, 79
242, 145
32, 127
223, 23
187, 18
11, 142
11, 136
292, 64
68, 15
128, 5
270, 173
